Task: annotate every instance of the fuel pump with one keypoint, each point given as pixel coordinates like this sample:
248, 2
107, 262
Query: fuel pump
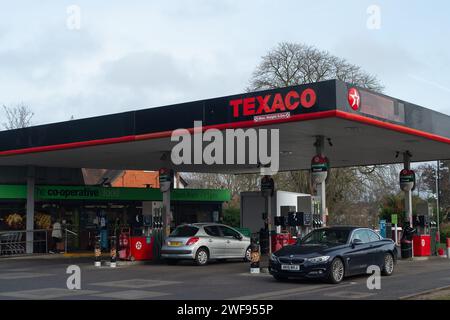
124, 243
157, 229
267, 190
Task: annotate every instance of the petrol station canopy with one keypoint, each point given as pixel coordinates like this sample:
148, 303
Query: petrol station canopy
362, 127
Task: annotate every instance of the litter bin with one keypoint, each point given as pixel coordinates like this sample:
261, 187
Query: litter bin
406, 248
255, 255
406, 242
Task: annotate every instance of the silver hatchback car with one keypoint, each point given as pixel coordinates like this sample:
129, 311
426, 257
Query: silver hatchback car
202, 242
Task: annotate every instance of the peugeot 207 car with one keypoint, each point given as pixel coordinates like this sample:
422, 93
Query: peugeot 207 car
333, 253
202, 242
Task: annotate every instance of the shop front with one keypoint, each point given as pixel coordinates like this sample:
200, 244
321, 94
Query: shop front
86, 211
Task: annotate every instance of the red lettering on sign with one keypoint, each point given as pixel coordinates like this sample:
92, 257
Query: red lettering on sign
308, 98
288, 100
235, 104
263, 104
278, 103
249, 106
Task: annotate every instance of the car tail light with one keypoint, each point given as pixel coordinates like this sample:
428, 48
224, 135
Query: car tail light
192, 240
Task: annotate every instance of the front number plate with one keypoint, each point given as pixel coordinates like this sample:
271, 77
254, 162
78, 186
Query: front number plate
290, 267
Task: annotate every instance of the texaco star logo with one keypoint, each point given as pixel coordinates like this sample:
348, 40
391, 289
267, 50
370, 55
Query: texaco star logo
354, 99
138, 245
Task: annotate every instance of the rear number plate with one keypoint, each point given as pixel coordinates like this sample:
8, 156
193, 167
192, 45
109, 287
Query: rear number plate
174, 243
290, 267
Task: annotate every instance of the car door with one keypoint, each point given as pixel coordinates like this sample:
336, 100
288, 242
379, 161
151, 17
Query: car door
215, 242
358, 256
234, 245
376, 247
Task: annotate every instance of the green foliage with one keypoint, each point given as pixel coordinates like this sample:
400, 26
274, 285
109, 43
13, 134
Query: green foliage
232, 216
395, 204
444, 232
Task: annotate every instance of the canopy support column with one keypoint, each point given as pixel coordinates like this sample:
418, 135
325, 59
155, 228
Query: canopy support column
321, 189
30, 209
408, 194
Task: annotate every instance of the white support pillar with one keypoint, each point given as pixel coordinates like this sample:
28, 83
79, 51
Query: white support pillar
321, 190
408, 194
30, 209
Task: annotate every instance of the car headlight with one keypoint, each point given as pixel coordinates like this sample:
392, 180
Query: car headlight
319, 259
273, 257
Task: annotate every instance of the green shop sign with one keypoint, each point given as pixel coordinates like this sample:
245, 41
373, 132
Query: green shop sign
108, 194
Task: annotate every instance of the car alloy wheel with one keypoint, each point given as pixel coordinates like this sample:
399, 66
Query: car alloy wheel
202, 257
337, 271
248, 255
388, 268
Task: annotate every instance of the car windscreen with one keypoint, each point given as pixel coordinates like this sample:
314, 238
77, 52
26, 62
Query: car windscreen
184, 231
326, 237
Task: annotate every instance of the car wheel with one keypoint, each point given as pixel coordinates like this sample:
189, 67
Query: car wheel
388, 267
248, 255
171, 262
280, 278
201, 257
337, 271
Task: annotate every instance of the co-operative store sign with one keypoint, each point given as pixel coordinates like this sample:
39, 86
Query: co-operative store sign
49, 192
118, 193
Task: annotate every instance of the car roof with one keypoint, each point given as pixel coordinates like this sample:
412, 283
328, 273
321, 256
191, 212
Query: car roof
202, 224
346, 228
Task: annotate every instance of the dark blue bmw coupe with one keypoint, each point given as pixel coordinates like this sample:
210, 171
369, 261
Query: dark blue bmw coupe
333, 253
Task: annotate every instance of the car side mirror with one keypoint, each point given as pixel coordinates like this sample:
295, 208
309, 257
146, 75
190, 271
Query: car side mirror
239, 237
355, 242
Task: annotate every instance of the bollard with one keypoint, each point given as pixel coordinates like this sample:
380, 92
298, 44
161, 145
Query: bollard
255, 258
448, 248
113, 252
97, 252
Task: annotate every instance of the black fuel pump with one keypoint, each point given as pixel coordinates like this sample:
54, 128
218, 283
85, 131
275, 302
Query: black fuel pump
407, 240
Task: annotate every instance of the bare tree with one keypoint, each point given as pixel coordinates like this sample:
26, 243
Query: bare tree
294, 63
17, 117
235, 183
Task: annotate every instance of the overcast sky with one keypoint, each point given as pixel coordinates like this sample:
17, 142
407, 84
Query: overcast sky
129, 55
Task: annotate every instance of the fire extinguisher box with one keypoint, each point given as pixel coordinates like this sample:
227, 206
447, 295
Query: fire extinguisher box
141, 248
422, 245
